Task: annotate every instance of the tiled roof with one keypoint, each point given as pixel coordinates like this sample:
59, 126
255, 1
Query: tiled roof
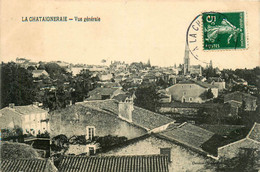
151, 163
8, 111
149, 119
30, 109
221, 129
200, 83
96, 93
188, 134
255, 132
121, 97
141, 117
26, 165
238, 96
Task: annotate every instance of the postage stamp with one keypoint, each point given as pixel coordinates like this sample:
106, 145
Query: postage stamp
223, 30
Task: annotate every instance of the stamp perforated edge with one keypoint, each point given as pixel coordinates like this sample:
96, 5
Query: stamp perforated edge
229, 49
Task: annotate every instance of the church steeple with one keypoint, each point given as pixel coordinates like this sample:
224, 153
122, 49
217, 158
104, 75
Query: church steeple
186, 63
149, 63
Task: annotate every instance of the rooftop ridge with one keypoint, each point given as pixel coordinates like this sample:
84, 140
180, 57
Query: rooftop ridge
115, 156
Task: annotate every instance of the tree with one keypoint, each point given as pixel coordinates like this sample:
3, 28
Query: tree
209, 72
60, 143
109, 141
54, 70
146, 96
209, 94
82, 84
31, 68
16, 85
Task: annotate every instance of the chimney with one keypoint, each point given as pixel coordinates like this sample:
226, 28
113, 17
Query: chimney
166, 151
11, 105
125, 109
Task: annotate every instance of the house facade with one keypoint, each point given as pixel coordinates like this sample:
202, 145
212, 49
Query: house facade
30, 118
191, 91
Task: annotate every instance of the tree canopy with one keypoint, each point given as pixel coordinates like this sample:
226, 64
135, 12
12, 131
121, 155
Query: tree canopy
147, 96
16, 85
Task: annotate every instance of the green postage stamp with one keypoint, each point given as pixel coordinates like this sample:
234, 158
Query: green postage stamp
224, 30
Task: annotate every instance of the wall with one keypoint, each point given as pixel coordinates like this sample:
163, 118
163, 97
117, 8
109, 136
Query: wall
181, 159
187, 111
104, 123
221, 85
9, 120
187, 91
33, 121
231, 150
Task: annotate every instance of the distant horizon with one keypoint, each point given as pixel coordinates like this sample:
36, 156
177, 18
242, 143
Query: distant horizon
109, 62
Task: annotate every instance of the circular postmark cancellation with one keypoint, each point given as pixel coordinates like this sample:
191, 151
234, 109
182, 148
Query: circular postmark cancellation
216, 31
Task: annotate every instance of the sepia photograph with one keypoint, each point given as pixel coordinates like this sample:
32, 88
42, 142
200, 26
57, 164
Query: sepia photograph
129, 86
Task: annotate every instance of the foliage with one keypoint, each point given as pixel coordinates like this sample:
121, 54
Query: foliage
31, 68
54, 70
147, 96
60, 143
15, 134
209, 94
210, 72
43, 135
108, 141
162, 83
82, 84
78, 140
18, 87
219, 114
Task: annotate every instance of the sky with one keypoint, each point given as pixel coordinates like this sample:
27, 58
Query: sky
128, 31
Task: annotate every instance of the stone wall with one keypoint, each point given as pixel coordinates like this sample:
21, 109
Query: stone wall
181, 159
231, 150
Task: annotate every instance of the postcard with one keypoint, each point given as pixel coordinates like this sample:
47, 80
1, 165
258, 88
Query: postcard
127, 85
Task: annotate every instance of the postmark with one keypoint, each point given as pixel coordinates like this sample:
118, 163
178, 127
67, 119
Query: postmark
225, 30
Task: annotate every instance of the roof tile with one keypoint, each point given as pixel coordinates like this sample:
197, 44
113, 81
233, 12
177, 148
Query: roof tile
148, 163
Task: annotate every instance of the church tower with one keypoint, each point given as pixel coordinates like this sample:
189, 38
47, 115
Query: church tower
149, 63
186, 64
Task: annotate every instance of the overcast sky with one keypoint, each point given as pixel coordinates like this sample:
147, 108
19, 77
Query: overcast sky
128, 31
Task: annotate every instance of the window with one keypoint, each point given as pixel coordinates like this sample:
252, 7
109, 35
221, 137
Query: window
166, 151
91, 150
90, 132
190, 99
184, 93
